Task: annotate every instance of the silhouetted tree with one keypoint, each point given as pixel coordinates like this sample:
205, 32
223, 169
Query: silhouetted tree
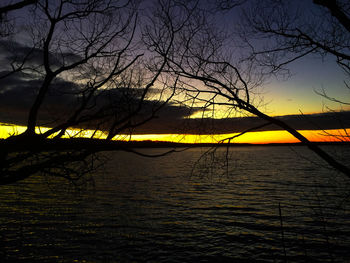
215, 73
294, 32
77, 65
290, 32
102, 65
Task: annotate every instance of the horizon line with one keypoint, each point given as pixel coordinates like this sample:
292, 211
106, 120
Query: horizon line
254, 137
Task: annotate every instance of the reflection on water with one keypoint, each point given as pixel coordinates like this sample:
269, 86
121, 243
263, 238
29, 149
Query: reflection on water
155, 210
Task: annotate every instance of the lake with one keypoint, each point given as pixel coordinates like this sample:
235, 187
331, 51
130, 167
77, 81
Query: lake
265, 204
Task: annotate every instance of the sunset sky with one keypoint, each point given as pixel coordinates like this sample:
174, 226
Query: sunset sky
293, 99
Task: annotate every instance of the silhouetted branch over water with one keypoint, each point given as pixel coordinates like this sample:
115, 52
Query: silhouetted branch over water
111, 67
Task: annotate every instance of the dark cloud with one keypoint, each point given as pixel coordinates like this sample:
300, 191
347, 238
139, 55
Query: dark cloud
18, 92
322, 121
14, 52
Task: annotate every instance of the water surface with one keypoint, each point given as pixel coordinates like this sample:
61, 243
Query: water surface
175, 209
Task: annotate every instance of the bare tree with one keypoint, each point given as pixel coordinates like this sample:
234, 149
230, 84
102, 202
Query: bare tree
102, 65
320, 28
213, 76
5, 23
290, 31
81, 66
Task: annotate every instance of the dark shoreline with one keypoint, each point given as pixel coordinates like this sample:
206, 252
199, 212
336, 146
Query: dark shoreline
161, 144
102, 145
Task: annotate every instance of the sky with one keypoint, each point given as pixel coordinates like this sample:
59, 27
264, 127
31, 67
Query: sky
298, 93
293, 99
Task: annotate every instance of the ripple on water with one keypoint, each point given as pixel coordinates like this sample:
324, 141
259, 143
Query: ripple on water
155, 210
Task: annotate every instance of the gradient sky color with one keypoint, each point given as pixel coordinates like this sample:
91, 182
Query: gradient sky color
298, 93
292, 96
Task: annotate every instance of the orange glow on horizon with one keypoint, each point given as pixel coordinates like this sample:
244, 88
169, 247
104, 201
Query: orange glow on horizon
261, 137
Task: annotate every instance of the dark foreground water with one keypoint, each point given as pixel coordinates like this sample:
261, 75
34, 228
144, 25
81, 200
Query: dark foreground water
155, 210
